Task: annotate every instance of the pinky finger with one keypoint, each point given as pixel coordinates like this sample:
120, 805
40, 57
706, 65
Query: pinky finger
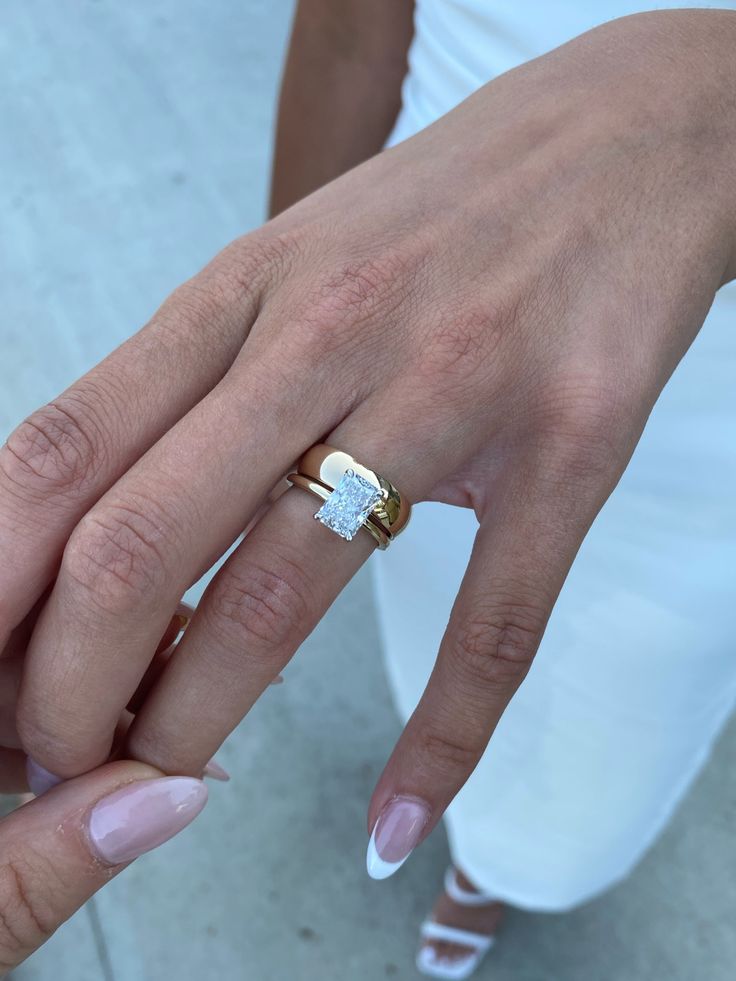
520, 559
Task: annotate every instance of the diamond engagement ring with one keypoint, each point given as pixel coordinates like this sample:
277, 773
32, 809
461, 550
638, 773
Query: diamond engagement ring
353, 496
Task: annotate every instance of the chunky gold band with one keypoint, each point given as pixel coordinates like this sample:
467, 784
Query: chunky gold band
353, 495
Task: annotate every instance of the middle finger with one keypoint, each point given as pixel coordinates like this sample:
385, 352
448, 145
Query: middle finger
269, 595
131, 558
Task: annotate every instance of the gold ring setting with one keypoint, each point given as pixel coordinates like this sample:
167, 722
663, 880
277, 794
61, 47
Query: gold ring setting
353, 497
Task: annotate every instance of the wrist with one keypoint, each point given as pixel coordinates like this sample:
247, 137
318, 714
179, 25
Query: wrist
692, 82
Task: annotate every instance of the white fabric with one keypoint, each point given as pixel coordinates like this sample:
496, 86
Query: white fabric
637, 671
463, 897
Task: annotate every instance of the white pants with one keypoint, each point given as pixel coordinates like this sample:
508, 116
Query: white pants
637, 671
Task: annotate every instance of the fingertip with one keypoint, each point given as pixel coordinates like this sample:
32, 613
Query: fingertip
376, 867
39, 778
399, 829
214, 771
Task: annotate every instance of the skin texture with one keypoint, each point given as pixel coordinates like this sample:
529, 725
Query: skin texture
340, 92
320, 135
48, 865
13, 656
47, 868
485, 313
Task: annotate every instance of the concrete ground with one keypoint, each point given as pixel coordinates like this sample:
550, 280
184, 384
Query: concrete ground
134, 144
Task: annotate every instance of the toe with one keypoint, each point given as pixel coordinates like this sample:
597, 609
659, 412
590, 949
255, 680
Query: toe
449, 961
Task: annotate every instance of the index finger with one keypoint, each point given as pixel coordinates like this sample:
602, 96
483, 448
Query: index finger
57, 463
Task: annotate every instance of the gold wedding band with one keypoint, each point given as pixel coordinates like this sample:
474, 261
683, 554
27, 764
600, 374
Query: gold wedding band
353, 496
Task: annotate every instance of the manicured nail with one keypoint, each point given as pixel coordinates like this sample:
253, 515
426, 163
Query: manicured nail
395, 835
143, 815
216, 772
181, 621
39, 779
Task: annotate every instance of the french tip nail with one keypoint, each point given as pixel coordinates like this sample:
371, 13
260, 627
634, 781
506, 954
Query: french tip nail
141, 816
214, 771
397, 832
375, 865
39, 778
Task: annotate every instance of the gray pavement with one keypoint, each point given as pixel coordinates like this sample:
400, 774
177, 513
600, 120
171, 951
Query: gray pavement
134, 143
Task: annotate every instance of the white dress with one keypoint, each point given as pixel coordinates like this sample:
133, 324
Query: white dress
637, 671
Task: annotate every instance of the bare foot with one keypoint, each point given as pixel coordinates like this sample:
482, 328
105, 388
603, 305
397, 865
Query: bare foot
453, 959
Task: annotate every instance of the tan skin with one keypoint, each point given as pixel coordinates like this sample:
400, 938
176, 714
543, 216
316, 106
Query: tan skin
46, 868
47, 871
340, 95
340, 91
485, 313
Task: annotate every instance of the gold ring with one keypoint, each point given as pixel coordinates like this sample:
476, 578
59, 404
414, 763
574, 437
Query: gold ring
353, 496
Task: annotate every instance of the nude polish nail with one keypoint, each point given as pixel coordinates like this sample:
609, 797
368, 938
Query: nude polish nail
39, 778
214, 771
396, 834
143, 815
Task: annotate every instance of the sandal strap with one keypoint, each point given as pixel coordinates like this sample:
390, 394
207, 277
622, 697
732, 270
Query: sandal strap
463, 897
479, 942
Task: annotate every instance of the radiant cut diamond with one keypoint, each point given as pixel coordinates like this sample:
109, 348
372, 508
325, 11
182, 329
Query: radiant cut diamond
349, 504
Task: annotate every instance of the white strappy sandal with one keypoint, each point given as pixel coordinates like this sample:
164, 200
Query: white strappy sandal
479, 943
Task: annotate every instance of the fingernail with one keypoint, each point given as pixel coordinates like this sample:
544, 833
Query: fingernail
395, 835
216, 772
39, 779
181, 621
278, 680
177, 625
143, 815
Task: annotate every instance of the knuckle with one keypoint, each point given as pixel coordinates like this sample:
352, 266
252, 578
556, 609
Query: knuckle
353, 287
117, 555
495, 650
55, 451
259, 258
586, 422
196, 301
236, 274
258, 610
462, 346
442, 752
28, 884
224, 297
344, 299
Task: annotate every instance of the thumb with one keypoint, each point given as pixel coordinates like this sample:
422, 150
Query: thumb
59, 849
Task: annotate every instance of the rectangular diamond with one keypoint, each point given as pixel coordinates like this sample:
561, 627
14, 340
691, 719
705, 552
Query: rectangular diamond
349, 505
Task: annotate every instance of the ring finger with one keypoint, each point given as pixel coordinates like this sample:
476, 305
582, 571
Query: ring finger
267, 598
134, 554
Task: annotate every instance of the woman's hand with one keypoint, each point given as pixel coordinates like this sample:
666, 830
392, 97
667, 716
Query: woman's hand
57, 851
485, 314
14, 773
